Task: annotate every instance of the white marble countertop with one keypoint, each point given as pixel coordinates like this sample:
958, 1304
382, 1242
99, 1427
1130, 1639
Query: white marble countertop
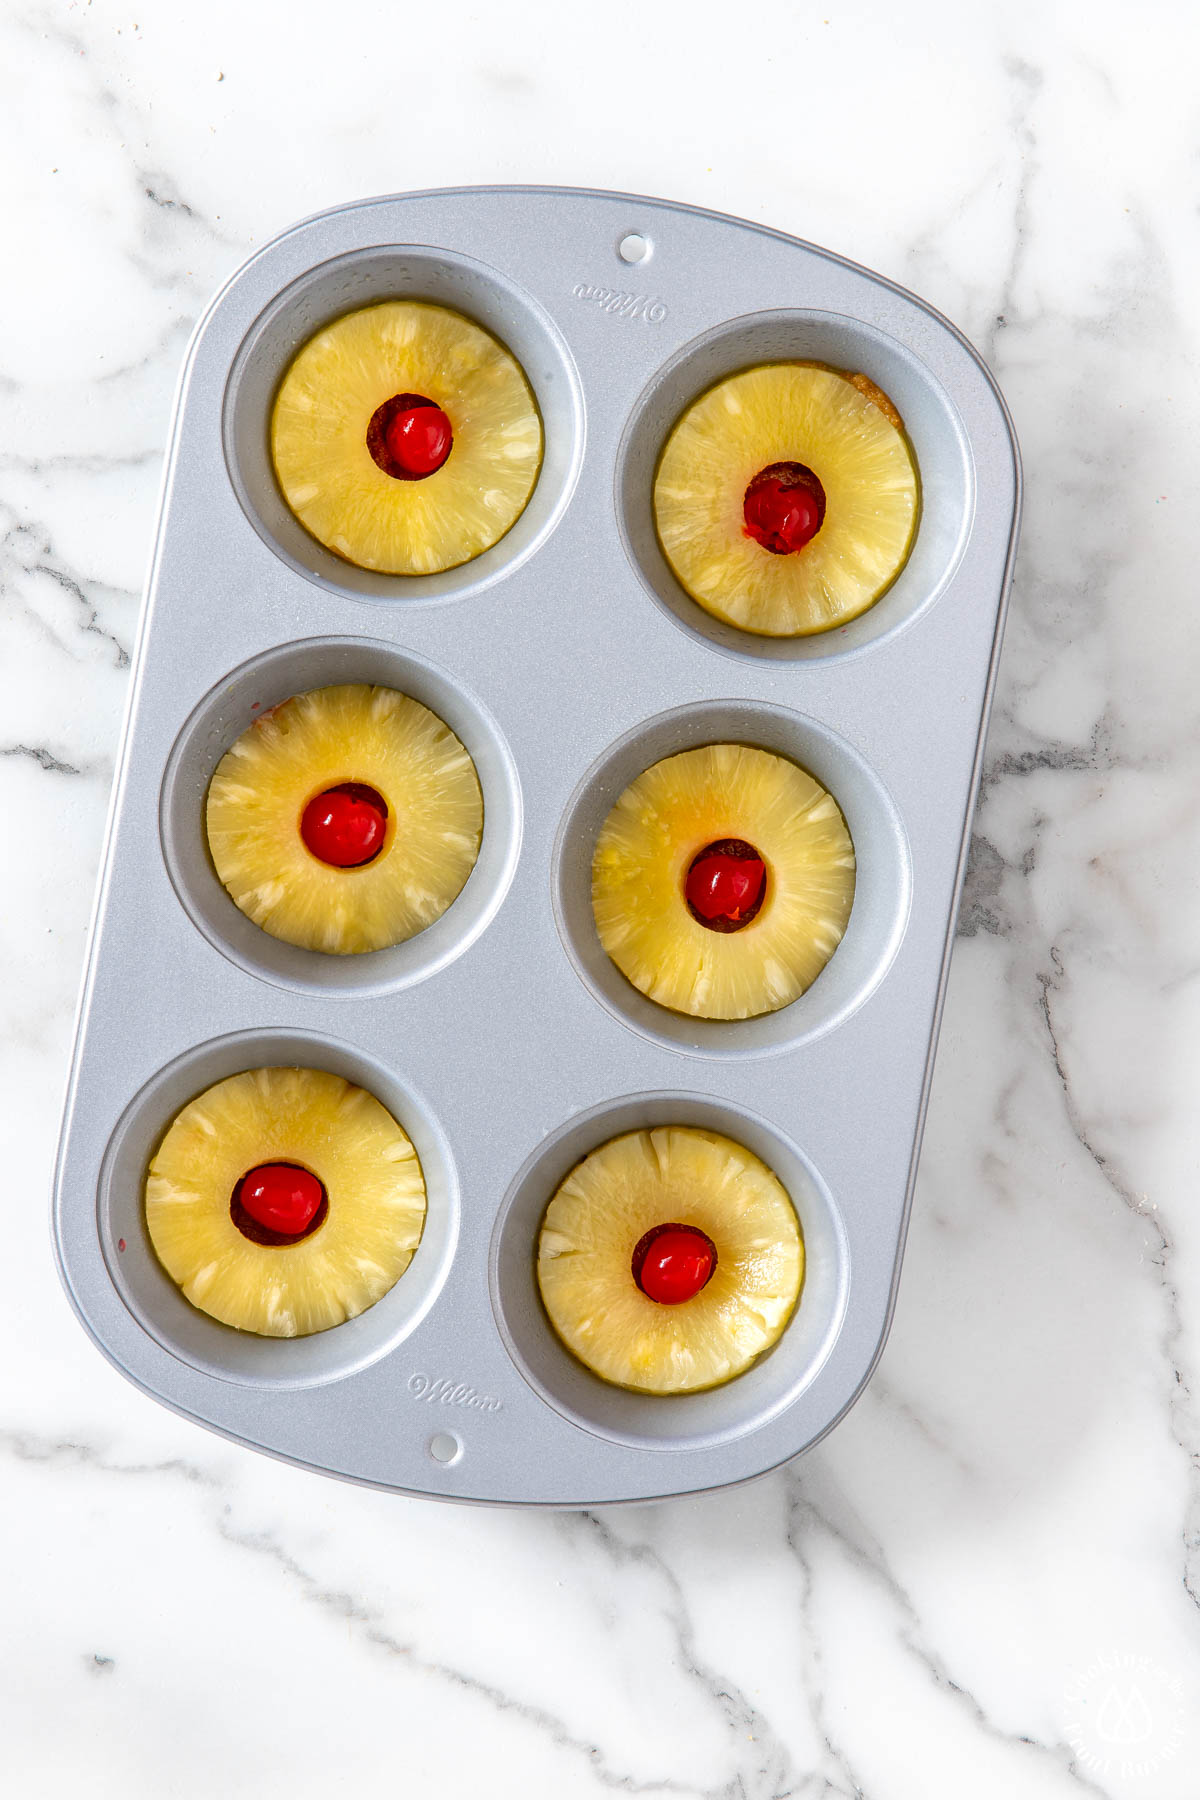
984, 1582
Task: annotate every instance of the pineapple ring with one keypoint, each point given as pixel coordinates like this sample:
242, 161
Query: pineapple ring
341, 1134
849, 435
604, 1207
320, 740
647, 844
328, 397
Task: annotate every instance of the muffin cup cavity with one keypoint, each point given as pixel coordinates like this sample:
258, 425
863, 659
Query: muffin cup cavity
361, 278
228, 710
933, 428
191, 1335
677, 1421
883, 880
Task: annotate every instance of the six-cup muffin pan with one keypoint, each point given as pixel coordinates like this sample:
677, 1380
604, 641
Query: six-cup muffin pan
567, 659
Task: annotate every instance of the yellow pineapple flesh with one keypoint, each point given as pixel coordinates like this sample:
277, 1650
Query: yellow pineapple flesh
328, 398
844, 430
321, 740
628, 1187
659, 826
319, 1122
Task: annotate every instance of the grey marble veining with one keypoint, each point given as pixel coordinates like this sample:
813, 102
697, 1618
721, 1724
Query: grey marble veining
985, 1581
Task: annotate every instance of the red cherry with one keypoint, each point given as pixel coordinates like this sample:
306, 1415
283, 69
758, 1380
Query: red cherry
784, 508
419, 438
673, 1262
409, 437
345, 826
278, 1203
725, 885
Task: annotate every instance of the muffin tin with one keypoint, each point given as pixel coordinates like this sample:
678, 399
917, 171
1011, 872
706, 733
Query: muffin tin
567, 659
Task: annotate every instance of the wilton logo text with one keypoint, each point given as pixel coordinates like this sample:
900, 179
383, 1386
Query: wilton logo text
450, 1393
622, 306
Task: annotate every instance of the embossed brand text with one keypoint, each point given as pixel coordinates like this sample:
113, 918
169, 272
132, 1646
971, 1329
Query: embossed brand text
622, 306
450, 1393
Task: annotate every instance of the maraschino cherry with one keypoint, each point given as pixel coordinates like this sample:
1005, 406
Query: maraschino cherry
784, 508
673, 1262
278, 1203
725, 885
410, 437
345, 826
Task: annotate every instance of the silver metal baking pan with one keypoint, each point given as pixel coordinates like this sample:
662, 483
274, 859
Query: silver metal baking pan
566, 659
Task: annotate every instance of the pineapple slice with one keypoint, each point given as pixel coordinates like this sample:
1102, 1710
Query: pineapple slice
349, 495
843, 443
655, 834
312, 745
363, 1240
627, 1190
